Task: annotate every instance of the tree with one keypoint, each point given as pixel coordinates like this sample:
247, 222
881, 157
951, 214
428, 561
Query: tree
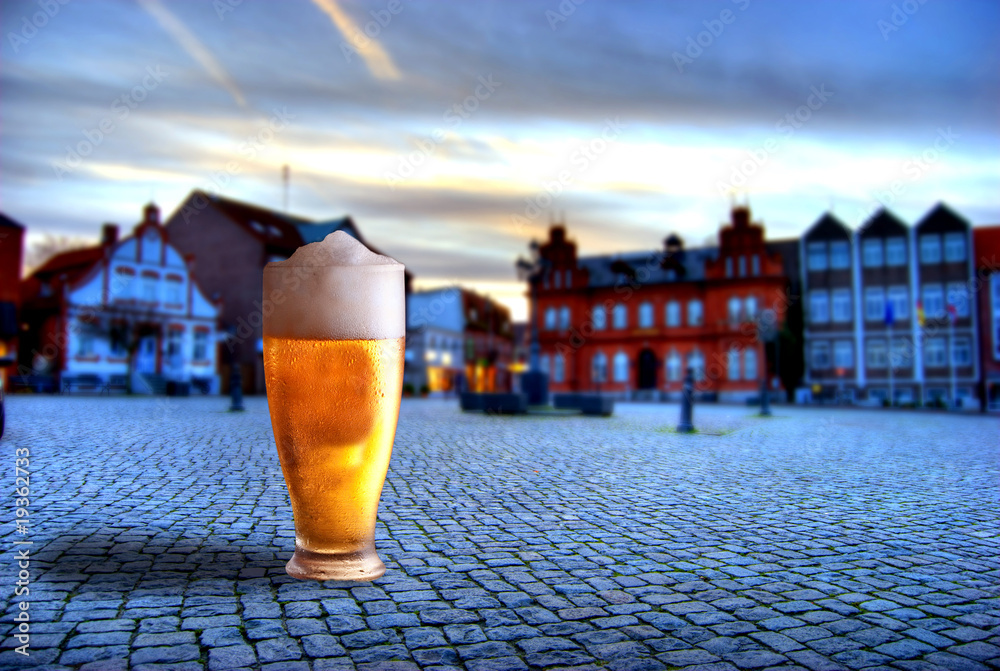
41, 250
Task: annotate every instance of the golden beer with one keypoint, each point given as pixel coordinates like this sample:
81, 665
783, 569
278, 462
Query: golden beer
334, 405
334, 402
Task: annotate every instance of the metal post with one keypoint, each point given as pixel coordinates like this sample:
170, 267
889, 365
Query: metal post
892, 395
951, 361
687, 403
765, 401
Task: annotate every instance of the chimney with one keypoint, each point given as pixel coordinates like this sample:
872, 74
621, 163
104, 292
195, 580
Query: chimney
109, 234
741, 216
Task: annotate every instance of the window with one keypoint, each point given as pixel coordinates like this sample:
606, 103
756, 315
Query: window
871, 253
543, 363
930, 248
123, 283
560, 368
875, 354
119, 335
743, 266
696, 362
961, 352
569, 279
819, 307
899, 298
599, 368
749, 364
840, 256
600, 317
149, 289
84, 344
843, 354
875, 304
902, 353
954, 247
820, 355
173, 290
564, 319
674, 366
621, 367
751, 307
673, 313
729, 267
733, 364
958, 295
735, 307
646, 315
556, 279
816, 255
695, 313
545, 280
755, 265
619, 316
200, 352
174, 339
550, 319
895, 251
841, 305
933, 299
934, 353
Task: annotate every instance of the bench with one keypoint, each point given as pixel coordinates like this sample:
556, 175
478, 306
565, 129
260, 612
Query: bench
39, 384
116, 383
85, 382
495, 403
588, 404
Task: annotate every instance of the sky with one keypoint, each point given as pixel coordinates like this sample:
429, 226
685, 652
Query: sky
454, 132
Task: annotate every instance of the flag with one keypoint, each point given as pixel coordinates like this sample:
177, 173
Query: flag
888, 313
920, 313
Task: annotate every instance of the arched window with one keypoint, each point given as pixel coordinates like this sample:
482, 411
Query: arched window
674, 366
621, 367
696, 362
749, 364
733, 364
569, 278
550, 319
599, 368
543, 363
735, 307
620, 316
600, 318
695, 313
564, 319
559, 372
751, 307
646, 315
673, 313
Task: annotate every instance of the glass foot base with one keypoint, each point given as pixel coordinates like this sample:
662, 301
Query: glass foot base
359, 566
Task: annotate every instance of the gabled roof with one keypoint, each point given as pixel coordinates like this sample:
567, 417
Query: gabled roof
272, 228
827, 226
72, 263
881, 223
942, 218
7, 221
602, 275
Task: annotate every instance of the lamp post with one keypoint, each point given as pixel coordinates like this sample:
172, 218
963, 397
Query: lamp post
534, 382
766, 332
687, 403
235, 375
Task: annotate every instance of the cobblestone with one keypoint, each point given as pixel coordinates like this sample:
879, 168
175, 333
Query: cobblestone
826, 539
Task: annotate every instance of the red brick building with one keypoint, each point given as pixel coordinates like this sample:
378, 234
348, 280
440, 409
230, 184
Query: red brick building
986, 288
11, 250
633, 323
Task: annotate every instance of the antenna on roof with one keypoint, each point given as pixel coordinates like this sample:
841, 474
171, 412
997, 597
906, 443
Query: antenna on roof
286, 176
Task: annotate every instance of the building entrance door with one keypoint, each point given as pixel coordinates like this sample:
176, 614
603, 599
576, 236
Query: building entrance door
647, 369
145, 358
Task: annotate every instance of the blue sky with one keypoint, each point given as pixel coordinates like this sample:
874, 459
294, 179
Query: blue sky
451, 131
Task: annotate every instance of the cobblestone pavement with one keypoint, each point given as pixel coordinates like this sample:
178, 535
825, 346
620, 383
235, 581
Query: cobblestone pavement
817, 539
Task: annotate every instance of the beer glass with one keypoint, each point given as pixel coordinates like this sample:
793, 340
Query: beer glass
334, 327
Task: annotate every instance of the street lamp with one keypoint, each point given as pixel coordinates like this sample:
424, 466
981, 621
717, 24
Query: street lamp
767, 331
534, 382
235, 375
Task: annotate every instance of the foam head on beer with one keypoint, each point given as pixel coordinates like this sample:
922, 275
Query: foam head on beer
336, 289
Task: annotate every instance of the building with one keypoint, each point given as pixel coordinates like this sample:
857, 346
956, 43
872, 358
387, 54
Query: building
126, 313
631, 324
232, 242
888, 310
457, 341
11, 256
986, 289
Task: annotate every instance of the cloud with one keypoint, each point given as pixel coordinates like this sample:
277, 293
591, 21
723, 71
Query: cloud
194, 48
378, 61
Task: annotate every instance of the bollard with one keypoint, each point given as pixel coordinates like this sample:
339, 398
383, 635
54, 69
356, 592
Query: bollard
236, 389
687, 401
765, 402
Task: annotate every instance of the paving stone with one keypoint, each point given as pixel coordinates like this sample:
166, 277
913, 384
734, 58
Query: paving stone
231, 657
